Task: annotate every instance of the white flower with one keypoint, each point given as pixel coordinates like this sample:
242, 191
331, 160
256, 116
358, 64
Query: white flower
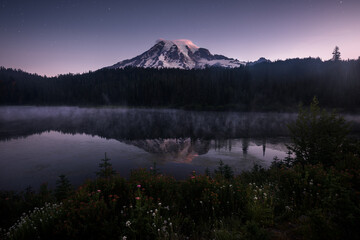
159, 203
124, 238
128, 223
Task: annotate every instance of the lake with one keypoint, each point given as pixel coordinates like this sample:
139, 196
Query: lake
37, 144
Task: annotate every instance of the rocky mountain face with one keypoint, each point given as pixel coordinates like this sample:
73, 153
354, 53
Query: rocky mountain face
181, 54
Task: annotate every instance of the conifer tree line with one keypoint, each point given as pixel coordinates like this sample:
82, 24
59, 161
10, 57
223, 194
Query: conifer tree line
279, 85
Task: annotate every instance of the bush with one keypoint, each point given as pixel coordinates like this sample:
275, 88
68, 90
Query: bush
318, 136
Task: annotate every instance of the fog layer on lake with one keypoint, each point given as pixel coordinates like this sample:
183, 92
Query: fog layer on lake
37, 144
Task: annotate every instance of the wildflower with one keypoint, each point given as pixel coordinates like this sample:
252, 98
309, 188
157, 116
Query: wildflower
128, 223
99, 191
170, 224
124, 238
200, 202
139, 186
159, 203
255, 198
192, 177
137, 198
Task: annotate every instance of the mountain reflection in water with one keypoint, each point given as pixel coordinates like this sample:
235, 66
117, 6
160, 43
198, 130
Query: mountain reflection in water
37, 144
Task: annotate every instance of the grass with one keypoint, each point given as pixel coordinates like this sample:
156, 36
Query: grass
297, 202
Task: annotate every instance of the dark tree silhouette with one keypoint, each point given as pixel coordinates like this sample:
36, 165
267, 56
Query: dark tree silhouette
279, 85
336, 54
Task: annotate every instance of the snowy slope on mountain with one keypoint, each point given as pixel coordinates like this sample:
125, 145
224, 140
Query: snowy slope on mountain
181, 53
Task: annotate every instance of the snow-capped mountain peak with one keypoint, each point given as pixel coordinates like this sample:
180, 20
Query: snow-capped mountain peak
181, 53
184, 45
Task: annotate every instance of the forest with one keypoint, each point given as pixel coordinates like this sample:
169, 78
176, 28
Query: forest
268, 86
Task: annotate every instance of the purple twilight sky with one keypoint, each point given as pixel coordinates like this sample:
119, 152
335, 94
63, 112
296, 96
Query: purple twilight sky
60, 36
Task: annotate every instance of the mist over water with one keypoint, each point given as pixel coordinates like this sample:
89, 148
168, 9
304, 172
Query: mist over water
122, 123
37, 144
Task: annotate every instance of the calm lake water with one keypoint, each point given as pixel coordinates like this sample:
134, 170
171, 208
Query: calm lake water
37, 144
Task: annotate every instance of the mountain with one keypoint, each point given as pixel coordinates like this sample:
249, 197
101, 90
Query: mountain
260, 60
181, 54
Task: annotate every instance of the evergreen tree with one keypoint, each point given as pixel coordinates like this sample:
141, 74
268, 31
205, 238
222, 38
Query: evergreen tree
106, 169
63, 188
336, 54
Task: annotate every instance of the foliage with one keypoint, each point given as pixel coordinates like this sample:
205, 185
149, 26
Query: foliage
224, 170
63, 188
311, 200
318, 136
279, 85
336, 54
106, 169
